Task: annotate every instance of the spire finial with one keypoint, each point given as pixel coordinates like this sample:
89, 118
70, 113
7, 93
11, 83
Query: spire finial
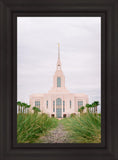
58, 50
58, 60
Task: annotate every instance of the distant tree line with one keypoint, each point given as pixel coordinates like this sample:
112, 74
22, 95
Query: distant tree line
92, 108
24, 108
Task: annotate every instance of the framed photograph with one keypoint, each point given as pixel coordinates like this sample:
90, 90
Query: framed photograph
59, 80
58, 115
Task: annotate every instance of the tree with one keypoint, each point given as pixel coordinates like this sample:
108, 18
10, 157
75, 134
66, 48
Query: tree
36, 110
90, 106
87, 106
19, 105
95, 104
28, 106
81, 109
24, 106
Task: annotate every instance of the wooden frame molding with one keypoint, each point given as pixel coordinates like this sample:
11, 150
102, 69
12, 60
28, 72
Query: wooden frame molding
9, 11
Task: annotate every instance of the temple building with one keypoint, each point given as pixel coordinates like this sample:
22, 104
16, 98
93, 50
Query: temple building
58, 102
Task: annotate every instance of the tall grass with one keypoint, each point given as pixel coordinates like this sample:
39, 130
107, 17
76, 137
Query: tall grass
84, 129
32, 126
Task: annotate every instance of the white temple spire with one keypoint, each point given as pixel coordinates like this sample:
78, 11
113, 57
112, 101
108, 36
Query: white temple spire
58, 61
58, 50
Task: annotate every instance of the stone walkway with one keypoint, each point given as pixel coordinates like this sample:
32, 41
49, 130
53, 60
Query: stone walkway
57, 135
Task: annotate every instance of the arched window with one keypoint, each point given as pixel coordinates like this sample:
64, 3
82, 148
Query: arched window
58, 101
58, 81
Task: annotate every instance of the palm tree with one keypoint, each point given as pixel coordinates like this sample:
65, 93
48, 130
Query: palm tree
82, 108
87, 106
90, 106
19, 105
24, 105
93, 105
96, 104
36, 110
28, 106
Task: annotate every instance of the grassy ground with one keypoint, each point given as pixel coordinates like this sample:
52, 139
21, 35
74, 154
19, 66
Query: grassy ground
84, 129
31, 126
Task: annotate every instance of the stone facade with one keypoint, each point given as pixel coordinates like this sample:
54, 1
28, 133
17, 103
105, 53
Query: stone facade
58, 102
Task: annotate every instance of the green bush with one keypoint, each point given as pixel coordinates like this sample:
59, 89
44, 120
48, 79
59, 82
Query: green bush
72, 115
84, 129
31, 126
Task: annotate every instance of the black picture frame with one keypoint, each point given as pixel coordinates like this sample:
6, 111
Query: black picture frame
9, 10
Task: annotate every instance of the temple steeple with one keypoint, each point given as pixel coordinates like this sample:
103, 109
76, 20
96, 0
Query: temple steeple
58, 51
59, 78
58, 61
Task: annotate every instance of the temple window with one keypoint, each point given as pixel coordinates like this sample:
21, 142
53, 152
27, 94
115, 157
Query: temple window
63, 106
58, 82
47, 104
58, 102
80, 103
70, 103
37, 103
53, 106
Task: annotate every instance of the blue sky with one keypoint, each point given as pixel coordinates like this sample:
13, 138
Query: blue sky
80, 49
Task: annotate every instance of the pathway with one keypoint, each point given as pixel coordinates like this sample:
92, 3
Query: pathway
57, 135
